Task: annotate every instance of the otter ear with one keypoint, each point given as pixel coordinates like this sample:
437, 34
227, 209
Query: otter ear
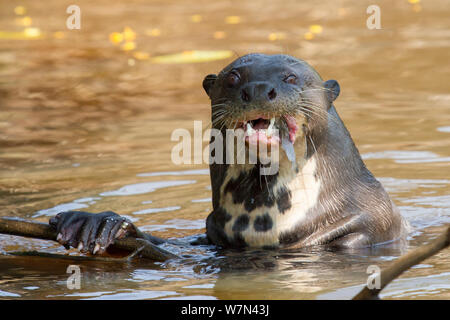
332, 87
208, 82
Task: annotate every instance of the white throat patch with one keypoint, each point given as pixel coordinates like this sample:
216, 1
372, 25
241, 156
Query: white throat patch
304, 196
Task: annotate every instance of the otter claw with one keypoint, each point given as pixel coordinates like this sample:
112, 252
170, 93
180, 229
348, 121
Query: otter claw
120, 233
96, 248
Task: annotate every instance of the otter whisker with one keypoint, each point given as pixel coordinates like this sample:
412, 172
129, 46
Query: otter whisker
309, 108
218, 121
219, 105
221, 127
311, 112
219, 113
312, 142
319, 109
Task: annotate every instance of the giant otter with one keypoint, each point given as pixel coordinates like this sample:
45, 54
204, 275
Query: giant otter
321, 194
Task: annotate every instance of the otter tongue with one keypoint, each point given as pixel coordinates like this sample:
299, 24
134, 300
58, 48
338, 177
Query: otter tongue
288, 147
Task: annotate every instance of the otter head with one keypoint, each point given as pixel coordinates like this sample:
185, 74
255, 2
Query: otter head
259, 94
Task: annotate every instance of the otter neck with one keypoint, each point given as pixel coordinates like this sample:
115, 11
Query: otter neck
264, 208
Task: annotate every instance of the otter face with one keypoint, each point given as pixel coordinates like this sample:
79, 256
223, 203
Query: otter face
259, 93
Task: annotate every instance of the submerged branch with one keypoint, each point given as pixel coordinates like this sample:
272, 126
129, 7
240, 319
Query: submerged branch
404, 263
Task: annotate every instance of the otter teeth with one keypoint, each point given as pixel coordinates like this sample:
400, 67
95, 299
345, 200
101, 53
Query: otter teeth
270, 128
268, 131
250, 130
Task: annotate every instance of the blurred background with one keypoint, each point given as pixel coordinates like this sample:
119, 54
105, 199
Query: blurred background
86, 117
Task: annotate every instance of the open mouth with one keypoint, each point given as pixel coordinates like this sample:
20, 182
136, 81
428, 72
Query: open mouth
262, 129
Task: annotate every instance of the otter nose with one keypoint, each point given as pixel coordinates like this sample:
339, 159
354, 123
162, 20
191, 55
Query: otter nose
258, 91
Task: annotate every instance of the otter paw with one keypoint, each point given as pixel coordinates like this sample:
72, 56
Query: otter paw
90, 232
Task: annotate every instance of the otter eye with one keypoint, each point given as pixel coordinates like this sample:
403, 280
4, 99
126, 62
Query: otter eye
233, 78
291, 79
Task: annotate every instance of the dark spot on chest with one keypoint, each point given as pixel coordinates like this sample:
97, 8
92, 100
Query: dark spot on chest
252, 189
284, 199
241, 223
263, 223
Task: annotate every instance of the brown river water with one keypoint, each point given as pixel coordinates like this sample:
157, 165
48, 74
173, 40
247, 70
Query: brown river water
86, 121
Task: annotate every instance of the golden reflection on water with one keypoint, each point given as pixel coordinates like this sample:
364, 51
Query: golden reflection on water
87, 112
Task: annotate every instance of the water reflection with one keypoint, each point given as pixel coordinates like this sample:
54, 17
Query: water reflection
407, 156
146, 187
